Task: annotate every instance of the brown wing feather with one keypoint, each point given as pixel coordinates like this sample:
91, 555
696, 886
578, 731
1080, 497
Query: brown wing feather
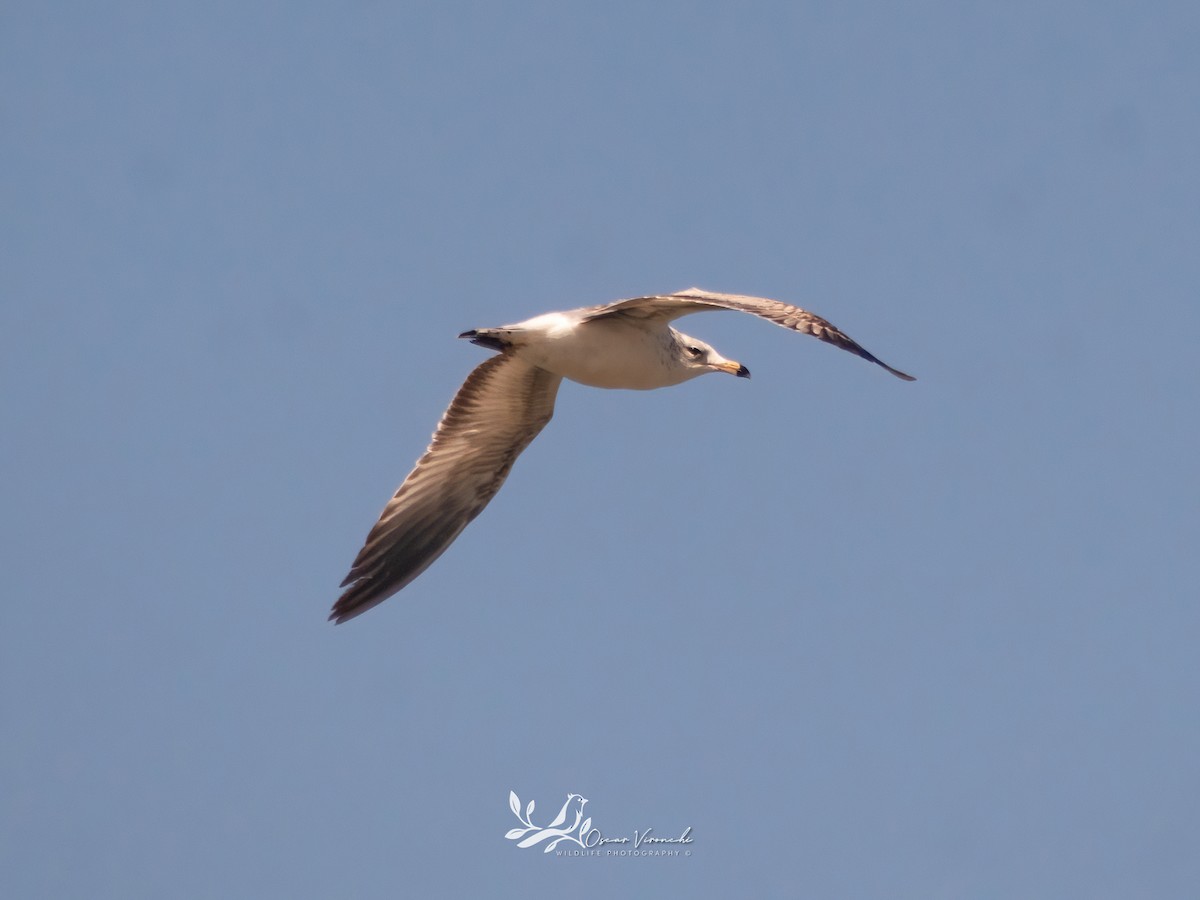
500, 408
666, 307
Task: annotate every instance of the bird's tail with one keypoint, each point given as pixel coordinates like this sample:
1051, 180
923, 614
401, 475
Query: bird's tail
488, 337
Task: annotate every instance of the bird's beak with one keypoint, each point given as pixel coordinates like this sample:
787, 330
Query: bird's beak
733, 368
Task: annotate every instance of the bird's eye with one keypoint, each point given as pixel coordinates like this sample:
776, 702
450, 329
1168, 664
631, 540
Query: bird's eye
694, 352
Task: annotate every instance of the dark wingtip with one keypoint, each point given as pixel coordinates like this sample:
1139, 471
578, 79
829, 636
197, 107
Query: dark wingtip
363, 594
879, 362
352, 602
338, 615
344, 612
471, 335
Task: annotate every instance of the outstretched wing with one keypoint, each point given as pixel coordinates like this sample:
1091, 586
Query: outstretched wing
500, 408
667, 307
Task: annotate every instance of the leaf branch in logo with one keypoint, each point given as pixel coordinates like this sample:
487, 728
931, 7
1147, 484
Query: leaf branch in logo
554, 832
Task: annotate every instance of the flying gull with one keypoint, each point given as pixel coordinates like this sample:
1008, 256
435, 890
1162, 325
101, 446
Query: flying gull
509, 398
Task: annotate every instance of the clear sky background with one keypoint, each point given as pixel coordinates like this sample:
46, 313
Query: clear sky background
865, 638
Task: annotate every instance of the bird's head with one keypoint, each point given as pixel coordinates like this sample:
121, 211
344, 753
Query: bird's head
699, 358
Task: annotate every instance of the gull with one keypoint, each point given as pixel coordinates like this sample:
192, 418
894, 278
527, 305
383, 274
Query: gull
509, 398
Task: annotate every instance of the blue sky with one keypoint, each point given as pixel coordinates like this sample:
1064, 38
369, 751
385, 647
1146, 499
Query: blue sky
865, 638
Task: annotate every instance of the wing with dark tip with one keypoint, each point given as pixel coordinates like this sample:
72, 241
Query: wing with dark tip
500, 408
667, 307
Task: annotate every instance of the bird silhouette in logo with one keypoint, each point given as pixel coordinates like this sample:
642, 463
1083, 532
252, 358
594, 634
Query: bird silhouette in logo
557, 831
566, 808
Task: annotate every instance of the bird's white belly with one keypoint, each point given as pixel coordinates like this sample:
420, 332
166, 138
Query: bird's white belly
606, 354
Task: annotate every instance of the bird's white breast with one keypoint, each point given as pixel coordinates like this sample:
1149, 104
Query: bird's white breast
606, 353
